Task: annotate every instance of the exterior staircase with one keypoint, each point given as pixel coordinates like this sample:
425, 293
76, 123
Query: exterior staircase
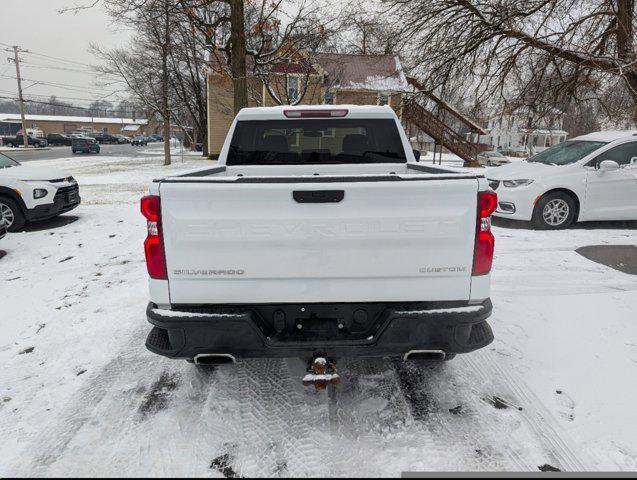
438, 130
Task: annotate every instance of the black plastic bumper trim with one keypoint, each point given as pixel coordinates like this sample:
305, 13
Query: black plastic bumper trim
236, 331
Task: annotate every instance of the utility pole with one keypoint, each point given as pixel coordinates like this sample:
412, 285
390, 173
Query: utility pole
25, 137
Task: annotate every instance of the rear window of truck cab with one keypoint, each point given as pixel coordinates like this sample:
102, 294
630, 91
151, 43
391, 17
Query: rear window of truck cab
315, 141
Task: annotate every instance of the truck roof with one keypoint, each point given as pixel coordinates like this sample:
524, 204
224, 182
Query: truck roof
353, 111
607, 136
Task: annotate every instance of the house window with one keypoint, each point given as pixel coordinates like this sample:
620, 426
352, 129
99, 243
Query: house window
293, 89
382, 99
328, 98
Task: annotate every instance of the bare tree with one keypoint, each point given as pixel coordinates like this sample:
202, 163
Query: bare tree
188, 83
534, 50
153, 21
367, 33
271, 33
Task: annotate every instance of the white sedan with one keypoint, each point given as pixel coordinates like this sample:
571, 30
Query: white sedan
592, 177
492, 159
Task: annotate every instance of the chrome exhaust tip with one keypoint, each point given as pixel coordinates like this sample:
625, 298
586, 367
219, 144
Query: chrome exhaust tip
425, 355
214, 359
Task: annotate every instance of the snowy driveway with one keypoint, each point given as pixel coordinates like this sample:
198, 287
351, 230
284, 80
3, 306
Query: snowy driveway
80, 395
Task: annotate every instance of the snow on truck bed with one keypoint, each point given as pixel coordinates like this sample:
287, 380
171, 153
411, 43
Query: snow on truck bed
81, 396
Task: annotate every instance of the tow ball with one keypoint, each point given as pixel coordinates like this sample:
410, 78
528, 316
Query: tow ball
321, 373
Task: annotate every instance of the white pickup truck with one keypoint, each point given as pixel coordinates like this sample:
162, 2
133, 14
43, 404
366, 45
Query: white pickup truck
318, 234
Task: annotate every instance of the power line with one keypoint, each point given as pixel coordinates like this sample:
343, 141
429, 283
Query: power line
90, 100
63, 69
67, 98
62, 105
56, 58
78, 88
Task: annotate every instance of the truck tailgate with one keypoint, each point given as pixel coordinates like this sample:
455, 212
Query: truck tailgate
253, 242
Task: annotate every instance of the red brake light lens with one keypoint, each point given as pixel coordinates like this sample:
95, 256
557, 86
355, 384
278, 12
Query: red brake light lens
487, 203
311, 113
485, 242
154, 243
150, 208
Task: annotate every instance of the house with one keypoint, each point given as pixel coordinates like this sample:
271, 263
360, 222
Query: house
336, 78
524, 130
329, 78
10, 123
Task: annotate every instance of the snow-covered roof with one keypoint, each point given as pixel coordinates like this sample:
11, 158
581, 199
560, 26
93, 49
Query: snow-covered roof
607, 136
543, 131
364, 72
62, 118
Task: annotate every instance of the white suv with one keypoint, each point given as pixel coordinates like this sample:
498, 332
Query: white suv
592, 177
29, 194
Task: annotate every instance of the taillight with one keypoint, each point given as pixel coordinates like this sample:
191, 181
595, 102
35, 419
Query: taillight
154, 244
485, 243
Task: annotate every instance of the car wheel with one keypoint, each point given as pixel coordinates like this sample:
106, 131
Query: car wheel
554, 211
10, 145
13, 217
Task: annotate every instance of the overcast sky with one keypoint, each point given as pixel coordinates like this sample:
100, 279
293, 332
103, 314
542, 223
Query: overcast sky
67, 36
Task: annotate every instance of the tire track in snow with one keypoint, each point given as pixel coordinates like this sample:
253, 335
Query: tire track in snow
372, 430
470, 431
48, 448
256, 418
558, 445
284, 425
389, 417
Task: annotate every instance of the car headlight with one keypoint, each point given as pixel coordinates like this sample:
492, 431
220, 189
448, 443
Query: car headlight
40, 193
517, 183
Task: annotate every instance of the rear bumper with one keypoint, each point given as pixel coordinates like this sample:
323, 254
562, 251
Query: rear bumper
243, 333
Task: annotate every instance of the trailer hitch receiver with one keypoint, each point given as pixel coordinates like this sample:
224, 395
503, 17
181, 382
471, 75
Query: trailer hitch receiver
321, 373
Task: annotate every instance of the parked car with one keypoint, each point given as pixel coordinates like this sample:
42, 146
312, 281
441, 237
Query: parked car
294, 246
519, 152
58, 139
492, 159
592, 177
3, 227
139, 141
29, 194
85, 145
105, 138
18, 141
121, 139
157, 138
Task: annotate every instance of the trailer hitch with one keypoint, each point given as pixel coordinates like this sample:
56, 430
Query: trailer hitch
321, 373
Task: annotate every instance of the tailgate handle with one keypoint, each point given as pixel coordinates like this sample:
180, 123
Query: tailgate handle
318, 196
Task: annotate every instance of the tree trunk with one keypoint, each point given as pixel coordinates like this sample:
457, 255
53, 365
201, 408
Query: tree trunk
238, 55
631, 82
625, 48
164, 85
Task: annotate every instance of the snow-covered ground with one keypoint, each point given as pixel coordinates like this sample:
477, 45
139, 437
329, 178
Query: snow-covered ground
80, 395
